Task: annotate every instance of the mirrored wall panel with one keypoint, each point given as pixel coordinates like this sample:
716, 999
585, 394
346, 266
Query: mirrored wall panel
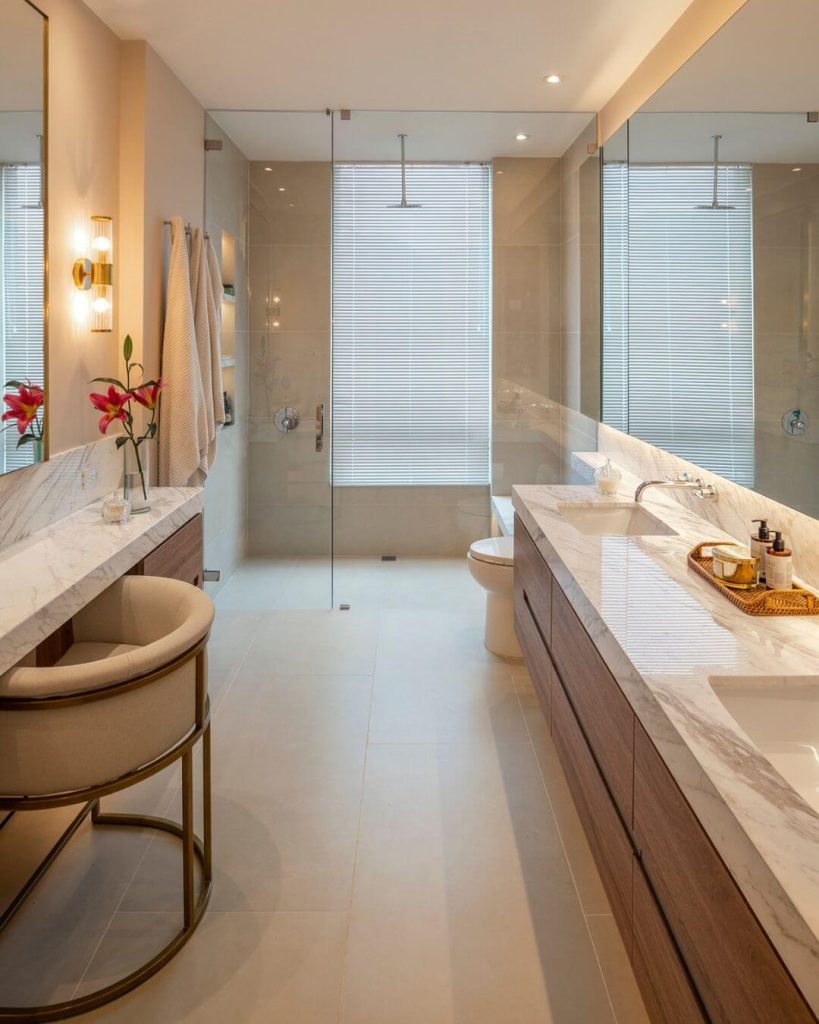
711, 261
22, 234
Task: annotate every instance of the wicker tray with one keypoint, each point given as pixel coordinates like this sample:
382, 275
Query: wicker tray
759, 600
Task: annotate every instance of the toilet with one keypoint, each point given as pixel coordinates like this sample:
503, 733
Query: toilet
491, 563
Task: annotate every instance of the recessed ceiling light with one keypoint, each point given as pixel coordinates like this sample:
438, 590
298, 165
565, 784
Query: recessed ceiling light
282, 188
521, 137
268, 169
552, 79
796, 170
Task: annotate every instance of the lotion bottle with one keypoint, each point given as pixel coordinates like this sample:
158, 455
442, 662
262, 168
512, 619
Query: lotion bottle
779, 565
760, 542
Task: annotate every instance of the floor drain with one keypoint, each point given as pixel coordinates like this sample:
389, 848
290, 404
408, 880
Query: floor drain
343, 607
389, 558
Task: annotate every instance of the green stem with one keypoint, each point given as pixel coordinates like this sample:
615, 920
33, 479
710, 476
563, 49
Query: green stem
139, 468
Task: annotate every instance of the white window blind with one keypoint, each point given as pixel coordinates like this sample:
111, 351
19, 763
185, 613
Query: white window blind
682, 341
411, 325
21, 290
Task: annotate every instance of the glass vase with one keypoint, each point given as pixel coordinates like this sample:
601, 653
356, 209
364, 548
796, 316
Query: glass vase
136, 476
38, 450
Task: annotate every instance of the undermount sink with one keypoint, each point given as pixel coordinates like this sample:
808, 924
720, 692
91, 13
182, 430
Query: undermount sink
624, 519
781, 716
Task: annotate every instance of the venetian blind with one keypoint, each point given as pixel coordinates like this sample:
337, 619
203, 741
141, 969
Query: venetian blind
21, 289
687, 362
411, 325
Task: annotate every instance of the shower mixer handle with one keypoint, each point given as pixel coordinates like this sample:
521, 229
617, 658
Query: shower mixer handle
320, 427
286, 419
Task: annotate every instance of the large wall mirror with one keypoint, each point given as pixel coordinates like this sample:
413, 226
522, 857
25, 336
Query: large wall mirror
711, 259
22, 233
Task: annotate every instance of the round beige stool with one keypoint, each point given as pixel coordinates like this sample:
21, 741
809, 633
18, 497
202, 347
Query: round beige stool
127, 699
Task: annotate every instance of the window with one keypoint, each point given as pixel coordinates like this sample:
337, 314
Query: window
411, 325
21, 290
678, 313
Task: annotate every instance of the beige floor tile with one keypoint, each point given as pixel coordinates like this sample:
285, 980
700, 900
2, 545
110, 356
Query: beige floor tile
432, 640
617, 973
587, 879
231, 637
418, 705
48, 944
248, 968
464, 909
315, 643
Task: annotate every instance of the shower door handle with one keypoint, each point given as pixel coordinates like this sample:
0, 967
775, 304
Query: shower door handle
320, 427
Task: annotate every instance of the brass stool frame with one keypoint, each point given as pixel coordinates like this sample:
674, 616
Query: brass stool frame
194, 904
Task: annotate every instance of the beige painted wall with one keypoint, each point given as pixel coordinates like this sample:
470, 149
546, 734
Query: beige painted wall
83, 179
696, 26
162, 161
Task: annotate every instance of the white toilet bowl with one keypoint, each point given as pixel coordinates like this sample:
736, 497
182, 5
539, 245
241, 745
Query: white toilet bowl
491, 563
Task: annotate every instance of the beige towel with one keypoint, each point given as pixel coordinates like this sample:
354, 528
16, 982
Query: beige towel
201, 297
183, 421
215, 315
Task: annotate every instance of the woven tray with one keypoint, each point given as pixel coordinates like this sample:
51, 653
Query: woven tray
759, 600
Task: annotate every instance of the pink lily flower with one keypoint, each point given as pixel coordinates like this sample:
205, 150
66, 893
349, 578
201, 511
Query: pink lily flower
148, 395
23, 406
112, 406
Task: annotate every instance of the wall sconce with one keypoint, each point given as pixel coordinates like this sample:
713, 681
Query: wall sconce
97, 276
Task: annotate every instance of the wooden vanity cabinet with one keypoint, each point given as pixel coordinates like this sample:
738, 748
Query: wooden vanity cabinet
699, 953
736, 971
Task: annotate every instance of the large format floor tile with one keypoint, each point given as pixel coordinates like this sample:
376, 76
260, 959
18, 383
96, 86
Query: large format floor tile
394, 840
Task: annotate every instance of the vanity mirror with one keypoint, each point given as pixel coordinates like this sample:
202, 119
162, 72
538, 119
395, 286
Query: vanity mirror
711, 259
23, 331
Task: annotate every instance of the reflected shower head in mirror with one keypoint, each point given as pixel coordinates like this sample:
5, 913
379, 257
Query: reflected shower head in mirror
715, 204
403, 205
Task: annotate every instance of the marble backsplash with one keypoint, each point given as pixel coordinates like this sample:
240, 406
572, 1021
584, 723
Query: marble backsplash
734, 510
36, 497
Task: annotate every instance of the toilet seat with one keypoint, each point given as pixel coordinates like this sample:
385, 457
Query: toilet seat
494, 550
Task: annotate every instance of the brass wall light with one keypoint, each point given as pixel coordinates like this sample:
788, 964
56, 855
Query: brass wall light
97, 274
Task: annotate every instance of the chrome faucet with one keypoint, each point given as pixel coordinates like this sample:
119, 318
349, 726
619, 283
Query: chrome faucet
707, 492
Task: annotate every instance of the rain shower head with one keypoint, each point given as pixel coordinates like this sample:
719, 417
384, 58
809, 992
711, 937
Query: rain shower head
403, 205
715, 204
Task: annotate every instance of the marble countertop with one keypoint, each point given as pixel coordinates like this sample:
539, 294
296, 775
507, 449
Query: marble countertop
664, 632
49, 576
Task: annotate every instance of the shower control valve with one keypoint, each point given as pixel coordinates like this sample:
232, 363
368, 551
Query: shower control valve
286, 418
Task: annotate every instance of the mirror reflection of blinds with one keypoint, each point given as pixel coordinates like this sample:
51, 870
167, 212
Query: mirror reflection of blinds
411, 325
615, 295
688, 323
21, 289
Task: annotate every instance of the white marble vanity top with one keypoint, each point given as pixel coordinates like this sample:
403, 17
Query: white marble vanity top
49, 576
664, 633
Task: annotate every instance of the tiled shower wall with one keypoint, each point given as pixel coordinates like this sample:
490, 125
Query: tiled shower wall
786, 330
226, 222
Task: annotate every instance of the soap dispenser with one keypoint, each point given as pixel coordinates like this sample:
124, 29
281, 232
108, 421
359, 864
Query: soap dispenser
779, 565
760, 542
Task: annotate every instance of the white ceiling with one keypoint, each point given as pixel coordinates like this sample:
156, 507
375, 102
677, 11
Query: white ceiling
764, 59
373, 135
386, 54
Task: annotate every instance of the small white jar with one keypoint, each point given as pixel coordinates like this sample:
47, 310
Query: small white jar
607, 478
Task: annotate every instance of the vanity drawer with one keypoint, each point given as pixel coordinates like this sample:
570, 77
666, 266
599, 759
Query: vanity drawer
533, 577
535, 654
603, 712
661, 974
607, 837
735, 969
180, 557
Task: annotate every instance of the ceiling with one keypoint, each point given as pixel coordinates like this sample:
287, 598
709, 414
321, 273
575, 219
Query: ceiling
385, 54
763, 59
373, 135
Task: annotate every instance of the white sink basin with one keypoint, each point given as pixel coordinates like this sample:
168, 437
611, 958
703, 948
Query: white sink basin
781, 716
625, 519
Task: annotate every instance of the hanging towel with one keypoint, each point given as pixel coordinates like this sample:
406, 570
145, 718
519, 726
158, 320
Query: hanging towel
215, 315
201, 296
183, 425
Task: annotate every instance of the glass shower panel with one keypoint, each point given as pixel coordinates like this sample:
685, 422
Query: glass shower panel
289, 481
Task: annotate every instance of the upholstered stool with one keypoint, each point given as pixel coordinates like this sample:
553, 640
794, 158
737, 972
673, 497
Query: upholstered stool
127, 699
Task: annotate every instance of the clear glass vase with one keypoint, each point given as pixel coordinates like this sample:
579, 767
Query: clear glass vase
136, 476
